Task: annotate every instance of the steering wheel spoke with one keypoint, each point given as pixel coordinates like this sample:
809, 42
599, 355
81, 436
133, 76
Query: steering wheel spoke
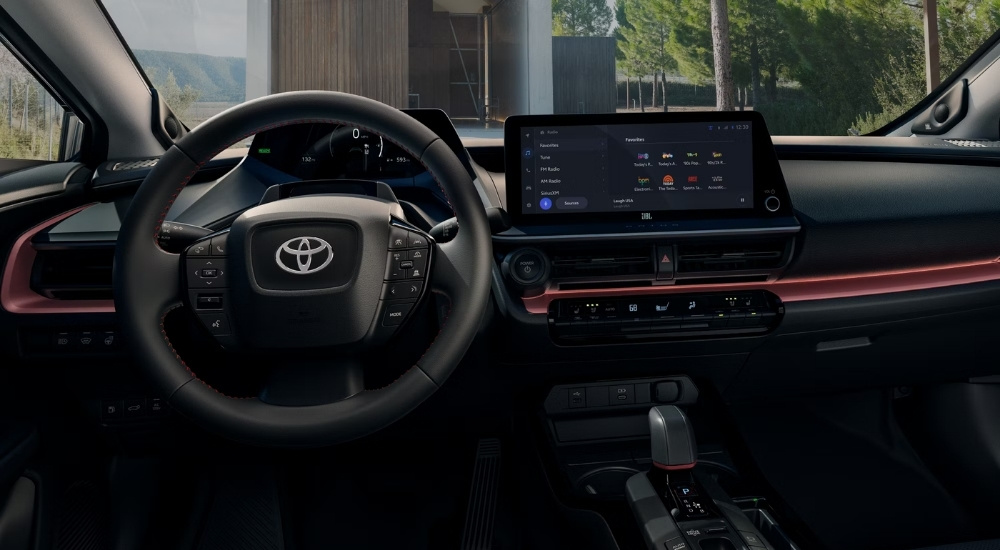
304, 382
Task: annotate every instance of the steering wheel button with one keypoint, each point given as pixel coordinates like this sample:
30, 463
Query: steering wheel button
202, 248
216, 323
417, 254
397, 237
406, 264
218, 246
408, 290
395, 314
207, 273
416, 240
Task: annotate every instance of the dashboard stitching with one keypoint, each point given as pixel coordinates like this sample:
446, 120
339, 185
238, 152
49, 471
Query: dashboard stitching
429, 346
198, 166
177, 356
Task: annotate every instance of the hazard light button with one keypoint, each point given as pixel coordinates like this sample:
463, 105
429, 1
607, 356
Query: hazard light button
664, 263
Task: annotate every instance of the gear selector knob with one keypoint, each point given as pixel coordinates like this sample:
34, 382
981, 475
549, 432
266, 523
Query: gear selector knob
671, 438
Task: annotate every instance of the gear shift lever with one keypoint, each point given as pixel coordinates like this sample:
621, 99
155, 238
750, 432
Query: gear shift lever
671, 439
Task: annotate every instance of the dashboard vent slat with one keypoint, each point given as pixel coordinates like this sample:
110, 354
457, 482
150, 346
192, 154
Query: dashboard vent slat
73, 273
618, 262
712, 258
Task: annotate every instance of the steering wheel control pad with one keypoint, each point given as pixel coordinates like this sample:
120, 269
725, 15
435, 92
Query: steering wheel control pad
308, 273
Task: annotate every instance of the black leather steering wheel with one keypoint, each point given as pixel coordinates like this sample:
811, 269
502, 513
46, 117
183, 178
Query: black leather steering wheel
333, 304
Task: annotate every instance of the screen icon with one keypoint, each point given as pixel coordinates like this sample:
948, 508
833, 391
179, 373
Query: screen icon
545, 203
693, 155
692, 179
668, 180
643, 181
527, 153
668, 155
716, 154
643, 156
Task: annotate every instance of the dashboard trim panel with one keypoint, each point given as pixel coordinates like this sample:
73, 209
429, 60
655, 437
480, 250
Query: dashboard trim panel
16, 295
802, 289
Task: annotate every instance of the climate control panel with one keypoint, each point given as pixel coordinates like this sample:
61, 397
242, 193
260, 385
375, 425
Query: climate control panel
579, 321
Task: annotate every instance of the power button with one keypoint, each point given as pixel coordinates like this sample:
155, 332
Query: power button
772, 203
527, 267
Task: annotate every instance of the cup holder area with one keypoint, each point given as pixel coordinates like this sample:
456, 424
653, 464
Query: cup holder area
757, 510
717, 544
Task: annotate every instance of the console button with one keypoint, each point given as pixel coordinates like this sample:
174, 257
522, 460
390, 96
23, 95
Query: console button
753, 318
623, 394
112, 409
61, 341
202, 248
752, 539
395, 314
135, 407
664, 263
577, 398
398, 237
403, 291
676, 544
157, 406
216, 323
108, 340
597, 396
526, 268
719, 318
219, 245
415, 240
85, 340
667, 392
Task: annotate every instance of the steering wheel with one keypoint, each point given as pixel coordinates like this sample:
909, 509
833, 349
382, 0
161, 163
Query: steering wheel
312, 280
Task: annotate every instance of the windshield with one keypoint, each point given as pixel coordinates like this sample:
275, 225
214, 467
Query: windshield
820, 67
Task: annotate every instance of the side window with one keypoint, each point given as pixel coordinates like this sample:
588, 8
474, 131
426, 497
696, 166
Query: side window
31, 120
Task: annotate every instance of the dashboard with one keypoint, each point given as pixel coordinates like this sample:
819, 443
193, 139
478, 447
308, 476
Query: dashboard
698, 278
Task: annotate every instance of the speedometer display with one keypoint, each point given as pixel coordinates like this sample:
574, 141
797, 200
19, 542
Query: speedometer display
328, 151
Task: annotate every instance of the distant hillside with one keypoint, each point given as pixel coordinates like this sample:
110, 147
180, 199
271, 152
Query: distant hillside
217, 78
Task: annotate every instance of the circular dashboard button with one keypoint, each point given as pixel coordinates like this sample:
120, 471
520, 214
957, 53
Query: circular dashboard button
527, 267
772, 203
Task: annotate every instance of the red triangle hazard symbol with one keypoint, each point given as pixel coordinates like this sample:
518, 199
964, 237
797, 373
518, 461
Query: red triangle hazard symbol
665, 260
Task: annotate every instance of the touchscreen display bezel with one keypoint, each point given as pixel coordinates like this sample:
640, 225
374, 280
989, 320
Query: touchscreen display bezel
767, 178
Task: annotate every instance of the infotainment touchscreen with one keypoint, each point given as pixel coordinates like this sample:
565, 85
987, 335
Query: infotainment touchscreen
638, 167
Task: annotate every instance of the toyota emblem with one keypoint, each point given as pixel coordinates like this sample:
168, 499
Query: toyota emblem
304, 255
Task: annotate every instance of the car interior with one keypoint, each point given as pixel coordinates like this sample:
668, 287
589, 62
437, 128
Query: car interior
363, 327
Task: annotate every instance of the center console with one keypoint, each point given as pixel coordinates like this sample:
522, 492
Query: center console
675, 510
660, 226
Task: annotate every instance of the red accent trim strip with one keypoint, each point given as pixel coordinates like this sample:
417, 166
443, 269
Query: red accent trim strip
16, 295
676, 467
796, 290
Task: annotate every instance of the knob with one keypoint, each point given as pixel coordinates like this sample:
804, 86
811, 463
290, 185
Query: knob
527, 267
772, 203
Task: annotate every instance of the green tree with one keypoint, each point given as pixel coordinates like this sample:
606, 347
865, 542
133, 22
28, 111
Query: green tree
646, 39
581, 18
179, 99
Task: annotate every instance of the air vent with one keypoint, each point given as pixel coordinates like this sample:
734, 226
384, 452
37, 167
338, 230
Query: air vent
73, 274
609, 262
973, 142
134, 165
713, 258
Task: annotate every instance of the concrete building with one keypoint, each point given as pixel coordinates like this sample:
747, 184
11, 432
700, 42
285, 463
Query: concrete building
478, 60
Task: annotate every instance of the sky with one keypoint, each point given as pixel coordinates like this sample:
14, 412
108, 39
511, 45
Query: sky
213, 27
